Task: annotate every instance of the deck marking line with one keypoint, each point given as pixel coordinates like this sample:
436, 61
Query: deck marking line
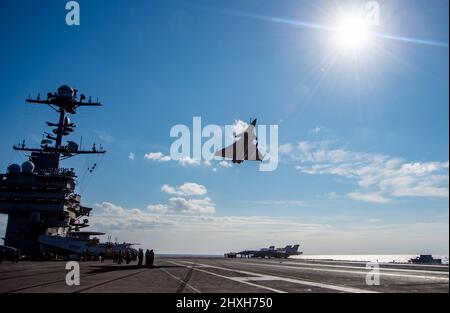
299, 264
312, 261
295, 281
232, 278
348, 272
181, 281
108, 281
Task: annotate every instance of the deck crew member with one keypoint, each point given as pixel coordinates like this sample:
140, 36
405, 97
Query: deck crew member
141, 257
151, 258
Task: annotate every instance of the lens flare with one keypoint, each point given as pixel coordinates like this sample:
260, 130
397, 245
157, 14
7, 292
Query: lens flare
352, 33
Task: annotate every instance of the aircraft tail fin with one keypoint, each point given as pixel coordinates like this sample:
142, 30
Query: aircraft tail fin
294, 249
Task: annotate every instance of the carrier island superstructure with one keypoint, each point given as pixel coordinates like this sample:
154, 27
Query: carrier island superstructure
39, 196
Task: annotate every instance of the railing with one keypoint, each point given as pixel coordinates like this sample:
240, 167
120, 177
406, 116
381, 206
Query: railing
59, 172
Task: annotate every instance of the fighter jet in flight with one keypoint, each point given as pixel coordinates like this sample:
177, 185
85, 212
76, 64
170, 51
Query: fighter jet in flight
245, 148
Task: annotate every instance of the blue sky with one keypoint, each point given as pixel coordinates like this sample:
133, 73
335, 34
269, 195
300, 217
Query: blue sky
364, 136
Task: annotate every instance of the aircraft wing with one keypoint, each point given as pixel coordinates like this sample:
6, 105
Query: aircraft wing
64, 244
254, 154
242, 150
234, 151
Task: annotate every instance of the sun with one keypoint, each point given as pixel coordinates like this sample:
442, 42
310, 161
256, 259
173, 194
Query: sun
352, 33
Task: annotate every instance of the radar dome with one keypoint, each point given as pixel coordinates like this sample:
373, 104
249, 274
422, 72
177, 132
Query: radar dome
66, 91
14, 169
28, 167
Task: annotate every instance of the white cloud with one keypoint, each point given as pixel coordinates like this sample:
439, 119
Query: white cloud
331, 195
188, 161
318, 129
187, 189
239, 127
181, 204
197, 233
184, 161
131, 156
285, 148
158, 208
169, 189
380, 176
104, 136
192, 206
225, 164
131, 219
193, 189
157, 156
368, 197
278, 202
374, 220
111, 208
114, 218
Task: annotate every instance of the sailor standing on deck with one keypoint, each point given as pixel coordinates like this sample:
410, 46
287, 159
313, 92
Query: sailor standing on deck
120, 256
151, 258
147, 257
140, 257
128, 256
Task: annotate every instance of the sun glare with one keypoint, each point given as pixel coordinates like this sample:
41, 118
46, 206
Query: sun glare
352, 33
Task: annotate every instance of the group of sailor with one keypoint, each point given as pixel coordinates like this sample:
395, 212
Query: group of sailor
131, 255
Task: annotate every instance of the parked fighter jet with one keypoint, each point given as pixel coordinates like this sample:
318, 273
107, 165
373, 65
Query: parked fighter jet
245, 148
271, 252
80, 244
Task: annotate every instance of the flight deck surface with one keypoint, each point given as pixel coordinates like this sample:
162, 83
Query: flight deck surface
216, 275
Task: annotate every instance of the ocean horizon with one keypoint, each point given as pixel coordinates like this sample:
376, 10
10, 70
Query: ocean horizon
381, 258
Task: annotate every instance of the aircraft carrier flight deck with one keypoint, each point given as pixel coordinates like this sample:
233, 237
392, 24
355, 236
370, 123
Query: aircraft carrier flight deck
217, 275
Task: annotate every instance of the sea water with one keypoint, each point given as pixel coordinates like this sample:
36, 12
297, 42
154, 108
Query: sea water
381, 258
